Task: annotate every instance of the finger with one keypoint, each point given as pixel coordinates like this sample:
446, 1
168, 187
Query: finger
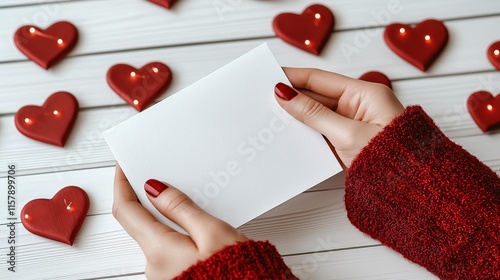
322, 82
329, 102
133, 217
179, 208
314, 114
122, 191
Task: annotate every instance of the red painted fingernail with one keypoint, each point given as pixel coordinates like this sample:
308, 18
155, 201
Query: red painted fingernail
285, 92
154, 187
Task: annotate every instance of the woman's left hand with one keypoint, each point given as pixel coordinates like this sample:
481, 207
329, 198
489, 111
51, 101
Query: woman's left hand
168, 252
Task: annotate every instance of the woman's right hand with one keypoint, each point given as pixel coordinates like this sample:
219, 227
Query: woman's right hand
348, 112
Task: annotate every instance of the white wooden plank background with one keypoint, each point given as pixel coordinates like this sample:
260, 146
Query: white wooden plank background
126, 24
311, 230
464, 53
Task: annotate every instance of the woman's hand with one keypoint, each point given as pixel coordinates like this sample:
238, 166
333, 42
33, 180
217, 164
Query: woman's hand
168, 252
348, 112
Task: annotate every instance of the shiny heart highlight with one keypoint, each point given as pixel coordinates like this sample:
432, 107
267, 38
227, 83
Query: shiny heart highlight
52, 122
419, 45
59, 218
49, 46
308, 31
494, 54
484, 110
139, 87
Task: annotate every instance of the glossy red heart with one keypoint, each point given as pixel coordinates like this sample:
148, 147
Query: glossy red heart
164, 3
51, 123
485, 110
419, 45
376, 77
59, 218
308, 31
494, 54
139, 87
46, 47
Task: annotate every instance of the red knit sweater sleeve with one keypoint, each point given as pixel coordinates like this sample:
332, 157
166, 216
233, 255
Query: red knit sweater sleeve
427, 198
245, 260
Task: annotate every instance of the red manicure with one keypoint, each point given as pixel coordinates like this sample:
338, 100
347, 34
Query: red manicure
154, 187
285, 92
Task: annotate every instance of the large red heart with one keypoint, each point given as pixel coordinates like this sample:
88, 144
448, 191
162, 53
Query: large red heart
51, 123
164, 3
139, 87
376, 77
59, 218
308, 31
46, 47
494, 54
420, 45
485, 110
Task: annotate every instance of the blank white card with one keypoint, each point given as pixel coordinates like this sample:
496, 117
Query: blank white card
225, 142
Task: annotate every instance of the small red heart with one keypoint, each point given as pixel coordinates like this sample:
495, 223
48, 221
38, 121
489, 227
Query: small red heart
139, 87
51, 123
485, 110
59, 218
494, 54
164, 3
308, 31
420, 45
376, 77
46, 47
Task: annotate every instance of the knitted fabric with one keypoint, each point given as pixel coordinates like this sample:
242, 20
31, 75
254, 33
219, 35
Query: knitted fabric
245, 260
428, 199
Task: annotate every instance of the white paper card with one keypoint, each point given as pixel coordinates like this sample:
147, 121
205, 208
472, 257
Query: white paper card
225, 142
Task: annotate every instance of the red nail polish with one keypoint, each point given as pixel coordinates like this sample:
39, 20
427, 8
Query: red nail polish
154, 187
284, 91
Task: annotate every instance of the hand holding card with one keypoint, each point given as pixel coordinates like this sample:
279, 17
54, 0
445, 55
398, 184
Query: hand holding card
225, 142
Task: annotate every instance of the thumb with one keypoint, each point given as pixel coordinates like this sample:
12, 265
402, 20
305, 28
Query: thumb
180, 209
204, 229
335, 127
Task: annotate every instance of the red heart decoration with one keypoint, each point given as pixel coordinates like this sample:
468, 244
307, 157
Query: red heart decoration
46, 47
308, 31
376, 77
494, 54
164, 3
420, 45
485, 110
51, 123
139, 87
59, 218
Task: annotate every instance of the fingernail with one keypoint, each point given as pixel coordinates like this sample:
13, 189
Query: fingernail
154, 187
284, 91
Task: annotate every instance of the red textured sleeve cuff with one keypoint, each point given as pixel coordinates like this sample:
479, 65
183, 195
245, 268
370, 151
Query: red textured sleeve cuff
427, 198
245, 260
